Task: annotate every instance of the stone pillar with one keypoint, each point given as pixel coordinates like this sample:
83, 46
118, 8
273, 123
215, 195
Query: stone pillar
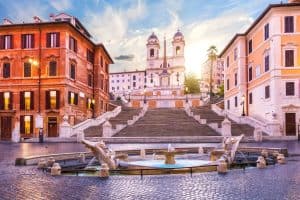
16, 132
257, 134
65, 129
104, 171
274, 128
107, 129
55, 169
81, 158
226, 127
222, 166
143, 153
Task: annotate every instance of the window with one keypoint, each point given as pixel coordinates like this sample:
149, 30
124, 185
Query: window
267, 63
6, 70
289, 58
289, 88
228, 104
227, 84
27, 69
73, 44
289, 24
235, 101
250, 74
250, 98
53, 40
27, 41
72, 71
267, 92
90, 80
52, 68
134, 84
134, 78
52, 99
257, 71
266, 31
26, 124
89, 56
102, 83
250, 46
227, 61
106, 67
26, 100
73, 98
6, 101
151, 52
177, 50
235, 79
6, 41
235, 54
101, 61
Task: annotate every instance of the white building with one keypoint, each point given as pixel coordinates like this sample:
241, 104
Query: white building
161, 72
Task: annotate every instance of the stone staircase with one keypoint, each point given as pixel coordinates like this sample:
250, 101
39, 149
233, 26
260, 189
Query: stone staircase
205, 112
164, 122
122, 118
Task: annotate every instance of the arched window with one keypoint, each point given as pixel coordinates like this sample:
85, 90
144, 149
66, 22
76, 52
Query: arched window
151, 52
177, 50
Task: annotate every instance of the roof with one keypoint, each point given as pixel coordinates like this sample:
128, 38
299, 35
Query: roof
261, 16
60, 22
152, 36
129, 72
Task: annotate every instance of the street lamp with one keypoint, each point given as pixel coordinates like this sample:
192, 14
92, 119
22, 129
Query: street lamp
243, 102
39, 118
186, 93
129, 91
93, 108
145, 101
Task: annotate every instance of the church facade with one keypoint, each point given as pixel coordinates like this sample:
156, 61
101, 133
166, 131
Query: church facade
162, 72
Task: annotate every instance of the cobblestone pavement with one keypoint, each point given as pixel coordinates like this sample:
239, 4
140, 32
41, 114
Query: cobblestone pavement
275, 182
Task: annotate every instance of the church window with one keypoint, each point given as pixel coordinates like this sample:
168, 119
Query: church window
177, 50
151, 52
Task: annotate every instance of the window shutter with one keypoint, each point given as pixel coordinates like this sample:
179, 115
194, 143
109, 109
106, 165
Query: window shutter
31, 124
32, 41
31, 100
22, 103
69, 97
23, 41
75, 45
48, 42
58, 39
76, 99
70, 40
47, 99
1, 100
1, 41
11, 101
22, 124
11, 41
87, 102
57, 99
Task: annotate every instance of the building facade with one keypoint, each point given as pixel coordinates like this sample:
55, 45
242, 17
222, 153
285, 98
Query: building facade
49, 70
161, 72
262, 69
216, 70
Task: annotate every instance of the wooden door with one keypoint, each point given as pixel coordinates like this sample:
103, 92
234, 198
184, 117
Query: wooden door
52, 127
6, 128
290, 124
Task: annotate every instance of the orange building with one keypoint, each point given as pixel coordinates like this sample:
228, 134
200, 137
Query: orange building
262, 71
50, 70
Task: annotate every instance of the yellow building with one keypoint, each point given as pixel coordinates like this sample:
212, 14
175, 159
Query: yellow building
262, 71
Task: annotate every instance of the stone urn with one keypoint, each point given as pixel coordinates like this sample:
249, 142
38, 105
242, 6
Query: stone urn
281, 159
222, 166
56, 169
261, 162
104, 171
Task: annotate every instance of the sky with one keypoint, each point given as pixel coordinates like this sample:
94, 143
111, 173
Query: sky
123, 26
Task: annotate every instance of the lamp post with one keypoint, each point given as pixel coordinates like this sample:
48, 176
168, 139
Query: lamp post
186, 93
129, 95
39, 118
145, 101
243, 102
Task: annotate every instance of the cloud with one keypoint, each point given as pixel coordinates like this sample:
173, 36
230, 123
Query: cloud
61, 5
125, 57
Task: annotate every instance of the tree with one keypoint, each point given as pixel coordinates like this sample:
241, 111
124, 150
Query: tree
191, 84
221, 90
212, 56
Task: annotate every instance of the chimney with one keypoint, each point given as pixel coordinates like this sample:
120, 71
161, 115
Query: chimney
37, 19
6, 21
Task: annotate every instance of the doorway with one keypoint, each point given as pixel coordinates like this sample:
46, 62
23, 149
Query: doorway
290, 124
52, 127
6, 127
